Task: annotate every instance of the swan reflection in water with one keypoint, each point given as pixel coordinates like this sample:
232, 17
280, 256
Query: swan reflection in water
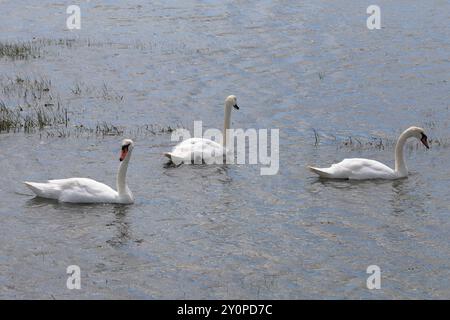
85, 213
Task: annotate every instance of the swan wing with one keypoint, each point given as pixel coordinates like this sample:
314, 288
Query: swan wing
357, 169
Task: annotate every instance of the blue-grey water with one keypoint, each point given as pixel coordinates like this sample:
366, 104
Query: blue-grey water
226, 232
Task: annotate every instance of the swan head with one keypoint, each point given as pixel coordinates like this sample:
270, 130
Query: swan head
127, 147
231, 101
419, 133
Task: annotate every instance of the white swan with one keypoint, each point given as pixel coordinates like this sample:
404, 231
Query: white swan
198, 150
363, 169
84, 190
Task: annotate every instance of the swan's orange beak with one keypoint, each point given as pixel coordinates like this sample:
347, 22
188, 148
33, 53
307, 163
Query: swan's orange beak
124, 153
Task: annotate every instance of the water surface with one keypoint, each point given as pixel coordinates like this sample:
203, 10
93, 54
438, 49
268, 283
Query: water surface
226, 232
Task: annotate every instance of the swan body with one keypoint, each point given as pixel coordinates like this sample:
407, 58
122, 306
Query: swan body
356, 169
365, 169
201, 150
75, 190
196, 150
84, 190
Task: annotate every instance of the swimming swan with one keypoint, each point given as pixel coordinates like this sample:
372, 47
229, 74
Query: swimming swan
362, 169
198, 150
84, 190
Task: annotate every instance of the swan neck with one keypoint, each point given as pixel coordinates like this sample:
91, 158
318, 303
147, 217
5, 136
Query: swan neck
400, 165
122, 187
226, 124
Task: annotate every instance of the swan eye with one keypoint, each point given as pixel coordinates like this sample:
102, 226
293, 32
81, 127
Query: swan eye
125, 147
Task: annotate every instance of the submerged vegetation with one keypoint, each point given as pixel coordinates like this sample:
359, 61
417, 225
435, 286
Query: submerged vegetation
29, 49
377, 143
35, 48
105, 129
31, 117
105, 92
29, 105
19, 51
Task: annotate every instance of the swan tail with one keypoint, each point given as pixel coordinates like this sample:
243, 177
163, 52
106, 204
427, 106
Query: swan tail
33, 187
42, 190
320, 171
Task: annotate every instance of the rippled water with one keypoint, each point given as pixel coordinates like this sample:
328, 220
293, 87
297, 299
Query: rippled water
226, 231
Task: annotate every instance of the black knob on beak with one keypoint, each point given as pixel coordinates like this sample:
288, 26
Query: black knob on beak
424, 140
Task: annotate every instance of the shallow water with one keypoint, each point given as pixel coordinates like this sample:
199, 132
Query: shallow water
226, 231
